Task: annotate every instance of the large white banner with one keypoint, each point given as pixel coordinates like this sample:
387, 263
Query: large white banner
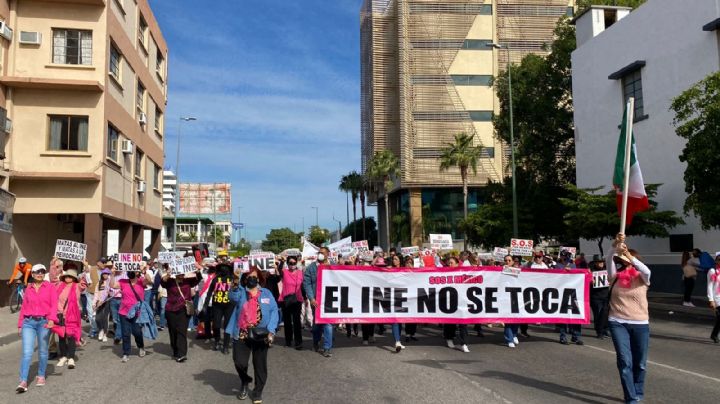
355, 294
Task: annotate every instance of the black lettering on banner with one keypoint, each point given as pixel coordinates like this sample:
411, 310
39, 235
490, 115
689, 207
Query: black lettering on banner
514, 305
448, 300
381, 298
490, 300
330, 298
426, 300
344, 300
569, 302
399, 300
365, 298
476, 306
547, 305
531, 296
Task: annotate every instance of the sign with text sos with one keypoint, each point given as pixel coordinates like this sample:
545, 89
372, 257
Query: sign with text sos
523, 248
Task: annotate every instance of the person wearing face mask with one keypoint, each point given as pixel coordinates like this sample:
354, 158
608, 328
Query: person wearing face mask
291, 302
253, 326
132, 289
310, 285
178, 290
222, 307
38, 315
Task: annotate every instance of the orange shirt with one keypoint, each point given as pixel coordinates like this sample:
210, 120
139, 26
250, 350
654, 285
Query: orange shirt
24, 272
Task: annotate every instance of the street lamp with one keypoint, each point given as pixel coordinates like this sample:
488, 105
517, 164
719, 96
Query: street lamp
339, 227
512, 137
177, 178
316, 215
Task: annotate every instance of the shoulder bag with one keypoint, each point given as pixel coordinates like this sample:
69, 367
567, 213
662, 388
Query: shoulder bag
189, 306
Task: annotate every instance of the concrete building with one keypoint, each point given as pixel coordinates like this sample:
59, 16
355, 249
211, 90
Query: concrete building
84, 83
622, 54
203, 207
426, 70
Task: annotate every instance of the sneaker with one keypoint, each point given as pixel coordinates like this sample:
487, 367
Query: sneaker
62, 362
399, 347
39, 381
125, 359
104, 338
450, 343
160, 328
71, 363
181, 359
101, 335
511, 345
243, 392
564, 341
365, 342
516, 341
116, 342
465, 348
579, 342
316, 347
525, 335
326, 353
142, 353
22, 387
255, 397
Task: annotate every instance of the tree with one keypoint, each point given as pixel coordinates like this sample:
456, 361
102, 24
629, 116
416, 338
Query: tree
318, 236
697, 119
216, 235
594, 216
363, 189
353, 183
382, 167
463, 155
242, 248
279, 240
583, 4
369, 223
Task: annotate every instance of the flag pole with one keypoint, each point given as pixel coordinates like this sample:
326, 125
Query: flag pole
626, 166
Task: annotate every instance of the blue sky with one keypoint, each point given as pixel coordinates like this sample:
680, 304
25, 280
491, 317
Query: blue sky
275, 86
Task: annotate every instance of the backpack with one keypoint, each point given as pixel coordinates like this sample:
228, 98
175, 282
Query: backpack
706, 261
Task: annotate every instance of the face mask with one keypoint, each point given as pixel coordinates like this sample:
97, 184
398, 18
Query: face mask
292, 266
252, 282
131, 275
321, 257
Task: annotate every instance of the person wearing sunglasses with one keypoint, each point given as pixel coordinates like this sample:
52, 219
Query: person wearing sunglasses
38, 316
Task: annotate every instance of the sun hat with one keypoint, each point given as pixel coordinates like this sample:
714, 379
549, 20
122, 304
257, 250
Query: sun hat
71, 273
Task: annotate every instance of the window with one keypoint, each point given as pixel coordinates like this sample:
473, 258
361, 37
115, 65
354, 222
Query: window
632, 87
158, 121
142, 32
477, 44
113, 138
159, 64
138, 162
140, 98
471, 80
450, 8
68, 133
72, 47
156, 176
115, 61
481, 116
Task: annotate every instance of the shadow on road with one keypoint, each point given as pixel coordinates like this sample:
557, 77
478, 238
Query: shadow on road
220, 381
559, 389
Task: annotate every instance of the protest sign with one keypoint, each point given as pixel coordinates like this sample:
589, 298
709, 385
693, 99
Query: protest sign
361, 245
571, 250
309, 251
500, 253
600, 279
523, 248
264, 261
181, 266
357, 294
347, 251
167, 257
291, 252
441, 241
417, 263
241, 266
128, 262
512, 271
377, 249
340, 243
410, 250
70, 250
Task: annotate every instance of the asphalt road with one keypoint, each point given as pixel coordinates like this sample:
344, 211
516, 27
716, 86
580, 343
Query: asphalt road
683, 368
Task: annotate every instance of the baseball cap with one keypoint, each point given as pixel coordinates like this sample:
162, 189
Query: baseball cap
538, 254
38, 268
103, 260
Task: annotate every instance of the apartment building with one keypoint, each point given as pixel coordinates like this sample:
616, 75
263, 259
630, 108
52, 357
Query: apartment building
84, 84
426, 74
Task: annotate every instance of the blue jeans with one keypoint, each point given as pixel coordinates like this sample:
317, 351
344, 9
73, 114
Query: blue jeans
114, 307
33, 330
161, 311
194, 319
631, 346
573, 329
131, 326
396, 330
322, 330
511, 332
149, 296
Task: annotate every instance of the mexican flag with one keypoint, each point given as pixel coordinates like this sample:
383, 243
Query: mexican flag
637, 198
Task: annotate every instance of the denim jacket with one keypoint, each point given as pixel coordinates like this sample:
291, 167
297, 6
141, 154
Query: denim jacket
310, 280
268, 307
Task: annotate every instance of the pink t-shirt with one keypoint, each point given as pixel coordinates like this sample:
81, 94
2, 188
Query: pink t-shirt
292, 281
128, 297
39, 303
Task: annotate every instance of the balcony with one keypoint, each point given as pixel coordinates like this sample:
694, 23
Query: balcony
51, 84
88, 2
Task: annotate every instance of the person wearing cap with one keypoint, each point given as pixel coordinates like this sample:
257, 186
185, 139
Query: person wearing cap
310, 284
713, 293
629, 318
21, 270
38, 315
566, 263
68, 327
101, 303
599, 300
538, 261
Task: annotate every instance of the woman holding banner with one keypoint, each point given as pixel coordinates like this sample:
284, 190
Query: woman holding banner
410, 328
450, 329
511, 330
396, 264
177, 312
68, 327
629, 319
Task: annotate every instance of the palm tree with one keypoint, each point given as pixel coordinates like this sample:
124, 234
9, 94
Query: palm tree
464, 155
382, 167
364, 183
344, 186
355, 185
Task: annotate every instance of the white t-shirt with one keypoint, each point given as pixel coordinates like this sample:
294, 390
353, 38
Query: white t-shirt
541, 265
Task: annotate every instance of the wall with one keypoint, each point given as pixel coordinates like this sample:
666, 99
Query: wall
676, 58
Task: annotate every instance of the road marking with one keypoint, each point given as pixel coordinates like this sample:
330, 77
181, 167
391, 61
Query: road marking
662, 365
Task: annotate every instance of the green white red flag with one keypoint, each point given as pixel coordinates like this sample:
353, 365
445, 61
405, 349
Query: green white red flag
637, 197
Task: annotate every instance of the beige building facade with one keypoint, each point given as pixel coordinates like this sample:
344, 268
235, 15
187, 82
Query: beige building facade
426, 73
84, 84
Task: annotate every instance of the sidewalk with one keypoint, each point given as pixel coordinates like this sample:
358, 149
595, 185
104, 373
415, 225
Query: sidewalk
8, 326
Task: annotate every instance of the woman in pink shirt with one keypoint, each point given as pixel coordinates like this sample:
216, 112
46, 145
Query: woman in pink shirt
37, 315
291, 302
133, 290
69, 329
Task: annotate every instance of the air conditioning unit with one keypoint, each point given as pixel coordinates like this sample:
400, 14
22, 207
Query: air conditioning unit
5, 31
127, 146
141, 187
8, 126
30, 38
142, 118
